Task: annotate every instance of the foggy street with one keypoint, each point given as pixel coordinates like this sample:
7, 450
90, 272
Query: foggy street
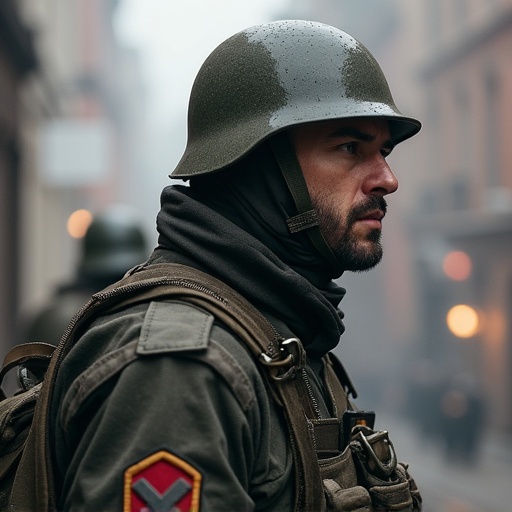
118, 106
486, 487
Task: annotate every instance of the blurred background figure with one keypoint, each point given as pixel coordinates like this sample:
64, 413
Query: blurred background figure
461, 426
113, 243
422, 405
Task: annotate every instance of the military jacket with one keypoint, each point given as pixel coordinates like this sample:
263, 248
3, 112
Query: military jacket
161, 404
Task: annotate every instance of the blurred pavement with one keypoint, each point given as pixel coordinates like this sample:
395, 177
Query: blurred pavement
483, 487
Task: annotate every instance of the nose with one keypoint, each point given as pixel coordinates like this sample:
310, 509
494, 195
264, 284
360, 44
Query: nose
381, 181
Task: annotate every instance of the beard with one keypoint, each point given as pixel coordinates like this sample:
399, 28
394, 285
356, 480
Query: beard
351, 252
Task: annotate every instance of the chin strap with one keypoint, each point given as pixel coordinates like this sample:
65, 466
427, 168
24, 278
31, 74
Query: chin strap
307, 218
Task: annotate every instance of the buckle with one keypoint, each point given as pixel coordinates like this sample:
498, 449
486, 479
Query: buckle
288, 360
26, 379
378, 453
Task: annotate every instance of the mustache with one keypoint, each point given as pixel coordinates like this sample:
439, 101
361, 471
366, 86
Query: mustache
370, 204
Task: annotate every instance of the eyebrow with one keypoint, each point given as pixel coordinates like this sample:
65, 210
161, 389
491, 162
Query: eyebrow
357, 134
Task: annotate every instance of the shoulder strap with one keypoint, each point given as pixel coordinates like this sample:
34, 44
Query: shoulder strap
34, 480
35, 351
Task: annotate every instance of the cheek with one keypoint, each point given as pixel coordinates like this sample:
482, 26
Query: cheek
341, 194
331, 203
318, 171
327, 180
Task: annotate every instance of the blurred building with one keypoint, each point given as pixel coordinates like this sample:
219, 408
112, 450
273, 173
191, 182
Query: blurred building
17, 59
74, 115
448, 63
463, 220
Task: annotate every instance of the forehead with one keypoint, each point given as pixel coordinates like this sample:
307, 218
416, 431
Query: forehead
374, 126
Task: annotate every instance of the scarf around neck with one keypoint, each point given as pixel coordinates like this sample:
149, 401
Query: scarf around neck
234, 228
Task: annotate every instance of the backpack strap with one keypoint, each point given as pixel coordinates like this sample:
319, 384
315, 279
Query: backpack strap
281, 358
35, 352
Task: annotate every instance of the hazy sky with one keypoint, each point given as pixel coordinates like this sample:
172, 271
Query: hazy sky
174, 39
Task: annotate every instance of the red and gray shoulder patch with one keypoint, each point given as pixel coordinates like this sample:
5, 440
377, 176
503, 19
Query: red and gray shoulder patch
162, 482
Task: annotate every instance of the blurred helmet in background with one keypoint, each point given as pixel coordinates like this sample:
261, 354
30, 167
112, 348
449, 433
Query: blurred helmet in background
113, 243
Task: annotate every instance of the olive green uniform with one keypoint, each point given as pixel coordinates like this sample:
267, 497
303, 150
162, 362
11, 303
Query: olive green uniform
169, 378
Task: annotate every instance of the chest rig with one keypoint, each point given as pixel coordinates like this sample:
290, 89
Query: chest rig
341, 463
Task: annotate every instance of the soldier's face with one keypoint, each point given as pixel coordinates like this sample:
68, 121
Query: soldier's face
344, 165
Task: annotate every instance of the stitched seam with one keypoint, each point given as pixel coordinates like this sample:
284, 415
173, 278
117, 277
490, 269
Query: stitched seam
144, 335
241, 384
96, 375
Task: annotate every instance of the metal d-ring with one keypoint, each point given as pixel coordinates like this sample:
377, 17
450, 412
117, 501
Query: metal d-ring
290, 358
381, 469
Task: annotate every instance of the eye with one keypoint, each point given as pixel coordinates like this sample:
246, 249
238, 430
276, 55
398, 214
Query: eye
349, 147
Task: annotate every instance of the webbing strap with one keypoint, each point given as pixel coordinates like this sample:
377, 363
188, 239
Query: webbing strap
338, 375
310, 492
287, 160
327, 432
302, 221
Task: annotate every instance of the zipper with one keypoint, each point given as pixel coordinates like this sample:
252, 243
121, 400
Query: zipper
312, 398
173, 282
278, 338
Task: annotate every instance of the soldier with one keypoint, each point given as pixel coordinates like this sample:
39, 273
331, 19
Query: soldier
160, 406
114, 243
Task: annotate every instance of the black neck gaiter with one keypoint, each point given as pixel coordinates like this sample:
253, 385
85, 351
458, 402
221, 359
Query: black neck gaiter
232, 224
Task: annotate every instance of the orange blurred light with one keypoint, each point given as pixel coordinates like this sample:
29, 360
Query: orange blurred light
78, 222
457, 265
463, 321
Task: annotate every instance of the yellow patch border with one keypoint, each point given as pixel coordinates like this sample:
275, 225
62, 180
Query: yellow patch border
173, 460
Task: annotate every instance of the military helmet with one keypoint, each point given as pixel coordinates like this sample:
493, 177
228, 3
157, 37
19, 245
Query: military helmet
269, 77
113, 243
